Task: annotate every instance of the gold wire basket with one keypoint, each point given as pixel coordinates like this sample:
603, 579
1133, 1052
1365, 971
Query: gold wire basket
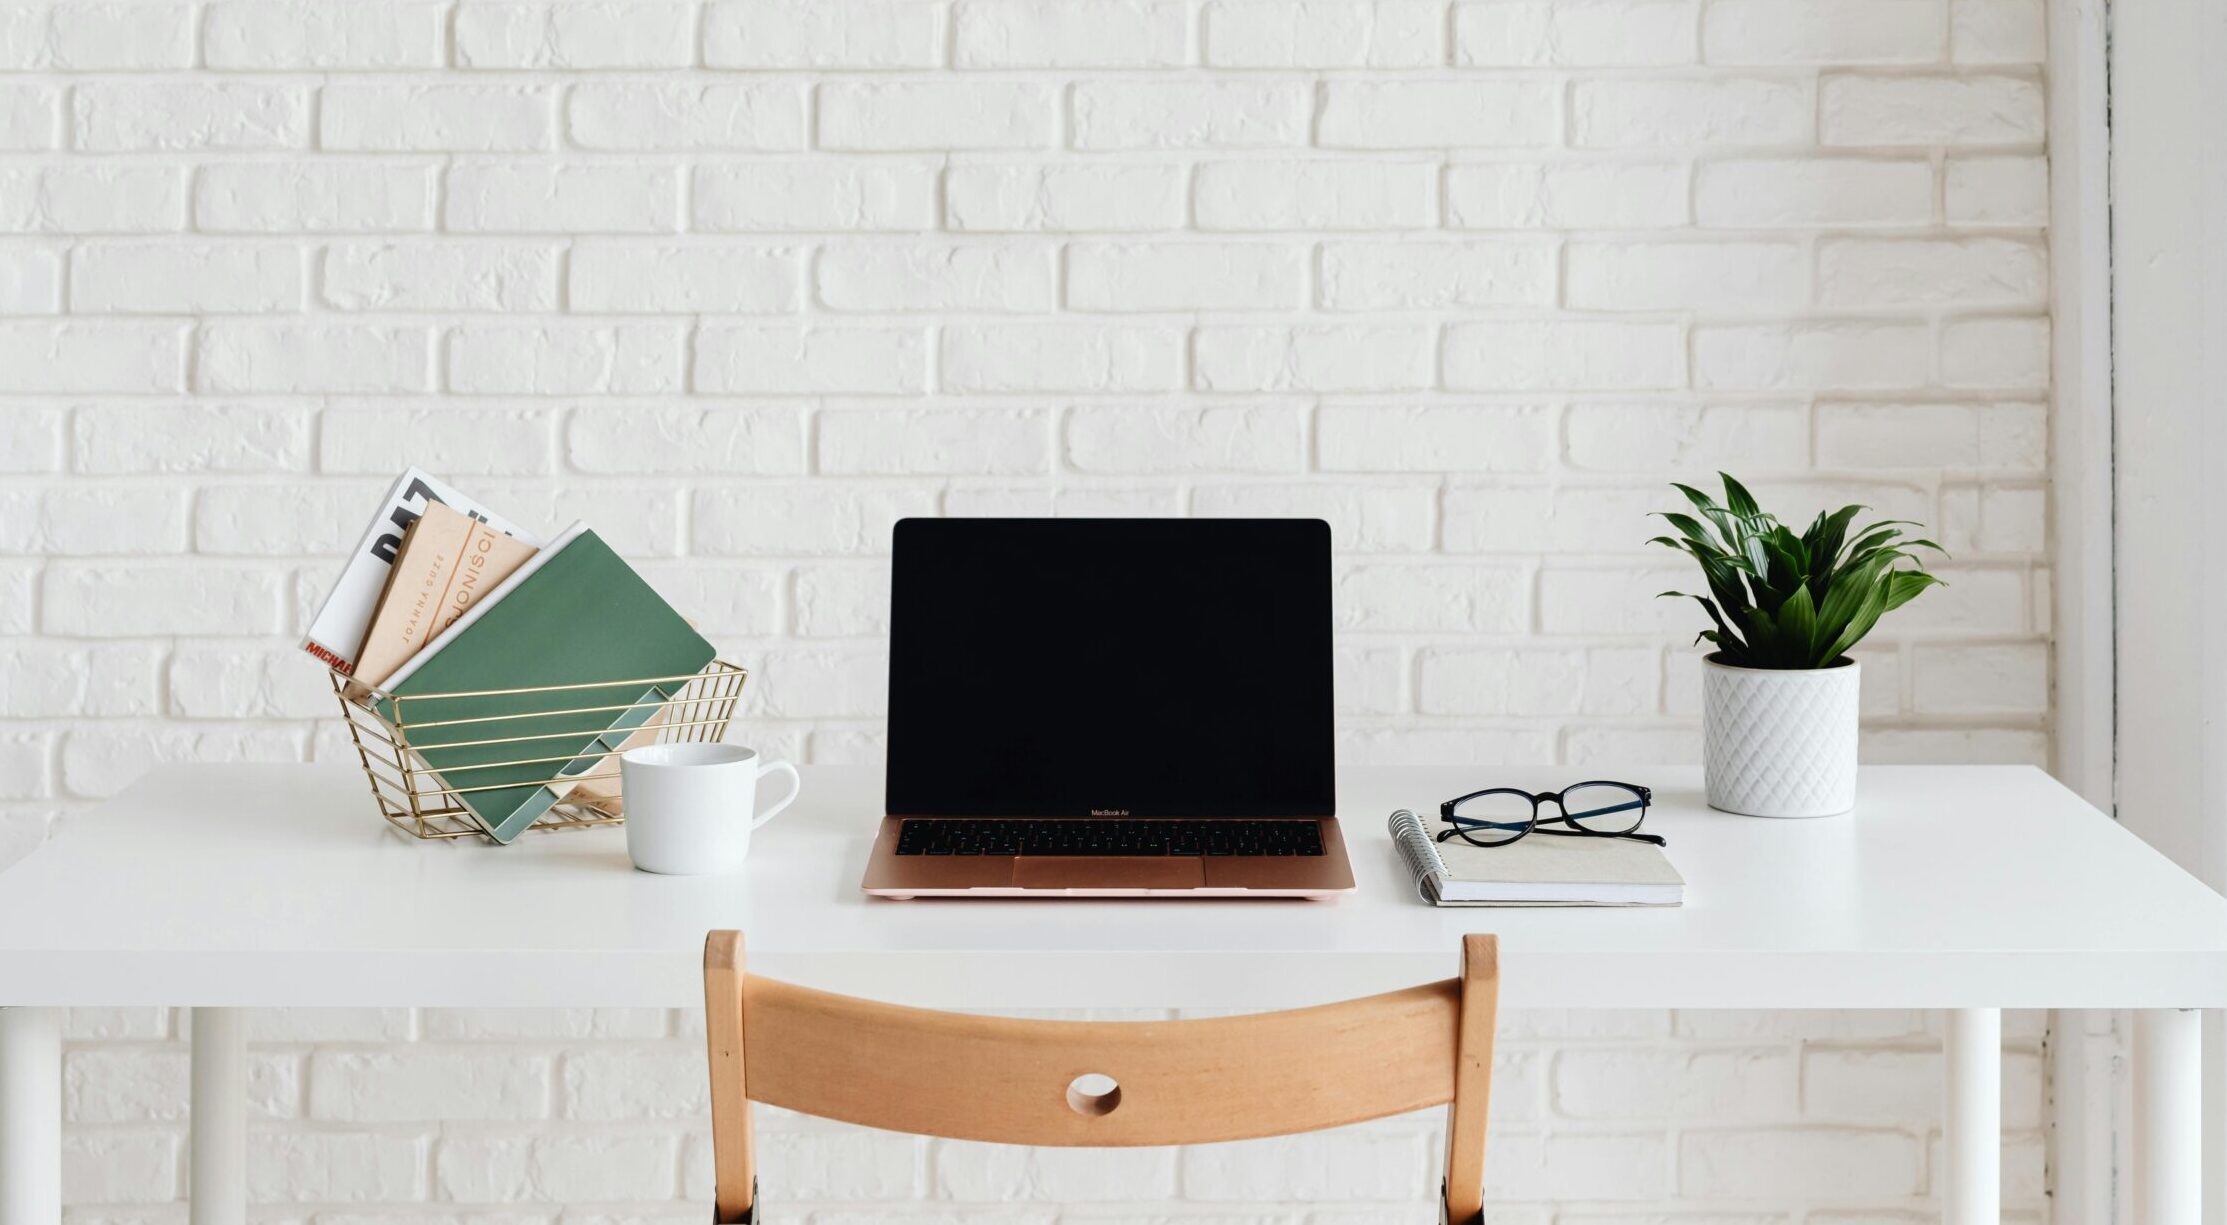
419, 801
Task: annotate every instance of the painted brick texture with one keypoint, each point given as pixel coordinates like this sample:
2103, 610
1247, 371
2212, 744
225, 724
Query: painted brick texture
743, 281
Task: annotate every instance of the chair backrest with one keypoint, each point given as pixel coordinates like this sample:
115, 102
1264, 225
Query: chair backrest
1043, 1082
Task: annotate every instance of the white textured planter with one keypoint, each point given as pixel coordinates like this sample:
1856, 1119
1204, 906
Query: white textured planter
1779, 743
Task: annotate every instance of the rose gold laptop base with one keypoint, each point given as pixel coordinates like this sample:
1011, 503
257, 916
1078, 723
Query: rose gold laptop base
891, 875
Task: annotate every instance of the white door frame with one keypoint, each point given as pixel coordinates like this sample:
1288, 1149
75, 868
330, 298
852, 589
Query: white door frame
2169, 389
2169, 357
2138, 238
2080, 411
2087, 1075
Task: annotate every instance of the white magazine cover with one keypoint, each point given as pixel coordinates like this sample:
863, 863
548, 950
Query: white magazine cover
336, 633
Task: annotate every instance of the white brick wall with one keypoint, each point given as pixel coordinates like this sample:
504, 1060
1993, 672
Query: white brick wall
579, 1116
747, 279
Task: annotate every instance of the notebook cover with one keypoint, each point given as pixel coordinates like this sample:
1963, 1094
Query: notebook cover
579, 616
1545, 870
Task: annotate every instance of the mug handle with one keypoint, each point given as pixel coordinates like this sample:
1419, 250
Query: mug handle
796, 785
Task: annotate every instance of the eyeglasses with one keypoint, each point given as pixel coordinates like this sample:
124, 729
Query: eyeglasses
1498, 816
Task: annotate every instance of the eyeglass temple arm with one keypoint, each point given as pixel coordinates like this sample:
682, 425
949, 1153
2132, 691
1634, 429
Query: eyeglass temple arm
1481, 823
1596, 812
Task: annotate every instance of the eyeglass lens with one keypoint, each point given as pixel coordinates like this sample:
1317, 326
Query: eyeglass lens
1494, 818
1604, 808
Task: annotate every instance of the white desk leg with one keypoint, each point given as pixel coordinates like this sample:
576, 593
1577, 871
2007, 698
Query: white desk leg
219, 1170
30, 1116
2169, 1117
1973, 1188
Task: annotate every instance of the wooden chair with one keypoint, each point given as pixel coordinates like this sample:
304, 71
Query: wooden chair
1039, 1082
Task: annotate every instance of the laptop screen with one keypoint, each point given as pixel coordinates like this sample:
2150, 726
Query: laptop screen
1110, 667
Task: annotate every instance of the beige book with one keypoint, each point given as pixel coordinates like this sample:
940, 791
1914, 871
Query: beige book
448, 561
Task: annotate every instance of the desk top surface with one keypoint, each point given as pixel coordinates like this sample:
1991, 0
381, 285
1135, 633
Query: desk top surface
280, 885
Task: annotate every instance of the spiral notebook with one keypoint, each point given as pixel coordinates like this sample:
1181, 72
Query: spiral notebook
1537, 870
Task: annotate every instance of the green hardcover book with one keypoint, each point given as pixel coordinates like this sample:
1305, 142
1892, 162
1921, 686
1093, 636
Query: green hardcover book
574, 614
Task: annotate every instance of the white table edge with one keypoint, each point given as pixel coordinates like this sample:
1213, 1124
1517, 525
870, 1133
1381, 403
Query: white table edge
1971, 985
1007, 979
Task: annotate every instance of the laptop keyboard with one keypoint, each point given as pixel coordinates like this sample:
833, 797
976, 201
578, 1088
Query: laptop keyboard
969, 836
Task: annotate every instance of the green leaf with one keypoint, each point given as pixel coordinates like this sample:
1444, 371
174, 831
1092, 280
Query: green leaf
1687, 527
1854, 551
1798, 625
1701, 501
1755, 555
1826, 534
1723, 631
1867, 615
1727, 524
1904, 587
1785, 599
1882, 555
1876, 534
1737, 499
1786, 549
1762, 637
1732, 597
1850, 586
1729, 528
1723, 576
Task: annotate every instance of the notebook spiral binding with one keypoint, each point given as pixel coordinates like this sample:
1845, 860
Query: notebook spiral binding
1416, 847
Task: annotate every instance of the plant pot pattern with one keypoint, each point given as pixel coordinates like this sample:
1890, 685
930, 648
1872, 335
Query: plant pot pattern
1780, 743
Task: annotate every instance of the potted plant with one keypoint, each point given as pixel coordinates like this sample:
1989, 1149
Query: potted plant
1779, 693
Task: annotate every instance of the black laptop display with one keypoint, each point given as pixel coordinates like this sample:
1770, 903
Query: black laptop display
1111, 667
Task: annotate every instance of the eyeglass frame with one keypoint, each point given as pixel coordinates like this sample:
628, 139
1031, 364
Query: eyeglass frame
1460, 826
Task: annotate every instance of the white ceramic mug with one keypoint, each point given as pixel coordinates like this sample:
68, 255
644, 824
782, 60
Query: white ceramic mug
690, 807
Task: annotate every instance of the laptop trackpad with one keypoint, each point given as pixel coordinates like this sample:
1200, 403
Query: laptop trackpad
1108, 872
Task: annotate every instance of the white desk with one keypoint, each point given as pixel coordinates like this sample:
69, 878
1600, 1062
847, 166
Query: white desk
1969, 889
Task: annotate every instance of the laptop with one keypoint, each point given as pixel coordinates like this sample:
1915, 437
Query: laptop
1110, 708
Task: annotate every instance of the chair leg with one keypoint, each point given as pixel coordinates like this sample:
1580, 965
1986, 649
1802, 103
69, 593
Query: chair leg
734, 1157
749, 1215
1446, 1211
